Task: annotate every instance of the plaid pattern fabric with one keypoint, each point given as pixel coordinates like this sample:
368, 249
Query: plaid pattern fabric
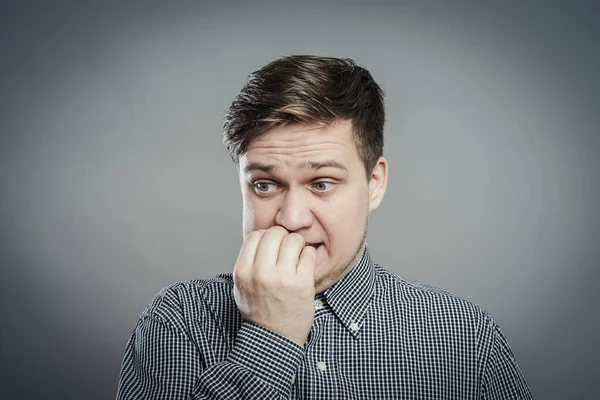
374, 336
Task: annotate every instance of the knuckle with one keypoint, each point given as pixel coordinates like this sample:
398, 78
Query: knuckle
288, 284
260, 279
294, 239
239, 276
276, 230
274, 233
269, 233
255, 234
297, 238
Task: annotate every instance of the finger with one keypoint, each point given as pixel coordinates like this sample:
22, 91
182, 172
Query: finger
247, 253
306, 263
268, 248
289, 253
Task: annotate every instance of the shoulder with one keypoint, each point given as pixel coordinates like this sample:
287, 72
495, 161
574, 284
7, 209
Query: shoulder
190, 298
430, 303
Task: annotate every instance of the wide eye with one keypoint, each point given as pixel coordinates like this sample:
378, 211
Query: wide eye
264, 187
323, 186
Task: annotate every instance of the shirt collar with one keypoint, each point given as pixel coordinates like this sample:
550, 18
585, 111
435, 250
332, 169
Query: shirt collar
349, 298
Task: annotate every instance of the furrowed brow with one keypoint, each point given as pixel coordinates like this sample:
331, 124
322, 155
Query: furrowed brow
316, 165
258, 167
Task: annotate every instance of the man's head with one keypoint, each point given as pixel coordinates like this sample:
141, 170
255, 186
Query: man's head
307, 135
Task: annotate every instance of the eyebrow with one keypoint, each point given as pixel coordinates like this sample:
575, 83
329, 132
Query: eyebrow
314, 165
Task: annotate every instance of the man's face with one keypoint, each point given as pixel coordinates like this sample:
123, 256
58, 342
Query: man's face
310, 180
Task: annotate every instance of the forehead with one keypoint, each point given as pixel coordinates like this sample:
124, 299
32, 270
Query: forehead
294, 145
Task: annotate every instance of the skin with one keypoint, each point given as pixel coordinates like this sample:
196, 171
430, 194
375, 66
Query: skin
301, 184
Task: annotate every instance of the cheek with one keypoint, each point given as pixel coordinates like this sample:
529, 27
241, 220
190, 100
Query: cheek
257, 214
344, 223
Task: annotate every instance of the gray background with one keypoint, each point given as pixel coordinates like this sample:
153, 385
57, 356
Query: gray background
115, 183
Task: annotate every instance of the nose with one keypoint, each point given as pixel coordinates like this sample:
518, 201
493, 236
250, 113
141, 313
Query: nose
294, 212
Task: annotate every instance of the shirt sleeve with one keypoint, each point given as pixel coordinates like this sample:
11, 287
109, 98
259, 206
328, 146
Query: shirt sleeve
503, 378
260, 366
162, 362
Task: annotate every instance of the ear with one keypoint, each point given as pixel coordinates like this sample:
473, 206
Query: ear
378, 183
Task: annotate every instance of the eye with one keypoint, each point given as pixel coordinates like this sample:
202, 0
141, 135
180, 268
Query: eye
324, 186
264, 187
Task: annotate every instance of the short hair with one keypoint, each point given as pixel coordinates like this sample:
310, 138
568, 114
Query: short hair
307, 89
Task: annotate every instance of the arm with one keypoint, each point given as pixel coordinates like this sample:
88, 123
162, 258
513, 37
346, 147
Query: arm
273, 291
161, 362
503, 378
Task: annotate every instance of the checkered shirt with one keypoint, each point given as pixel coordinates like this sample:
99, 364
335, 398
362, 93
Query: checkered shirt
374, 336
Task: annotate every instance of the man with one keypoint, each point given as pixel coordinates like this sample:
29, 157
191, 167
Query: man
306, 314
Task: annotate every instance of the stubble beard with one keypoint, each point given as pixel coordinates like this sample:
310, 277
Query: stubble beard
325, 282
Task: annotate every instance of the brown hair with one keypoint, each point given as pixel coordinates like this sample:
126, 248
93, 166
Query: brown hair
308, 89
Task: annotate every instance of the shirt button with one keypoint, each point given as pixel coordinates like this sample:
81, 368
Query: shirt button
293, 378
318, 304
354, 327
322, 366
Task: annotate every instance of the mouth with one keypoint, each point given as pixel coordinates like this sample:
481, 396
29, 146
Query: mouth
315, 245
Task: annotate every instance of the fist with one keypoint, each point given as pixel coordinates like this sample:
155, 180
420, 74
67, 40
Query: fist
274, 282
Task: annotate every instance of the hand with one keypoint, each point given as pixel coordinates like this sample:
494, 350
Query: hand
274, 282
